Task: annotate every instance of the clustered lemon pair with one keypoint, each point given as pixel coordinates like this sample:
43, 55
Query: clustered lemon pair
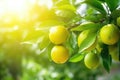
58, 35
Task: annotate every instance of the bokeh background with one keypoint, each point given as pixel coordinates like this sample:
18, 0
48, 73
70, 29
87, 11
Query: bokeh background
25, 47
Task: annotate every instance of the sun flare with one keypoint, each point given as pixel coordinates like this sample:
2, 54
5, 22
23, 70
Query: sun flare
19, 7
13, 7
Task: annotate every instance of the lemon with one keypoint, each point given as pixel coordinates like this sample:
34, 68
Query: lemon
58, 34
118, 21
91, 60
113, 51
109, 34
59, 54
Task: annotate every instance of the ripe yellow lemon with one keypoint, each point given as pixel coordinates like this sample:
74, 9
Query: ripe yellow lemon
109, 34
91, 60
59, 54
58, 34
113, 51
118, 21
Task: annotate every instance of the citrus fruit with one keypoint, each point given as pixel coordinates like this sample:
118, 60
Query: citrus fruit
58, 34
118, 21
113, 51
109, 34
91, 60
59, 54
82, 36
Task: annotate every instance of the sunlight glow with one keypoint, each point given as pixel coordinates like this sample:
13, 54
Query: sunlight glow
46, 2
13, 6
20, 8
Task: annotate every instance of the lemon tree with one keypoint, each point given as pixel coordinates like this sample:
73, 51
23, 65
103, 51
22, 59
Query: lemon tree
69, 30
64, 31
91, 33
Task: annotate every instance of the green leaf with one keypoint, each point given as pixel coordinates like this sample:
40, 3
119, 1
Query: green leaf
88, 41
73, 2
85, 26
106, 58
106, 66
91, 15
33, 34
96, 5
67, 6
62, 2
73, 40
77, 57
113, 4
48, 51
65, 14
48, 23
44, 42
71, 43
102, 0
115, 14
73, 21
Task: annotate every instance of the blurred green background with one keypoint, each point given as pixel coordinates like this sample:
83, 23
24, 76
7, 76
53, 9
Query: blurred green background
25, 47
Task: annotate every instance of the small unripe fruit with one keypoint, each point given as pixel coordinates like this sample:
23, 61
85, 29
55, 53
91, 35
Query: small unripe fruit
91, 60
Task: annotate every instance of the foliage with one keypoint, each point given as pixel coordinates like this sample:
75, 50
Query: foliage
26, 48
